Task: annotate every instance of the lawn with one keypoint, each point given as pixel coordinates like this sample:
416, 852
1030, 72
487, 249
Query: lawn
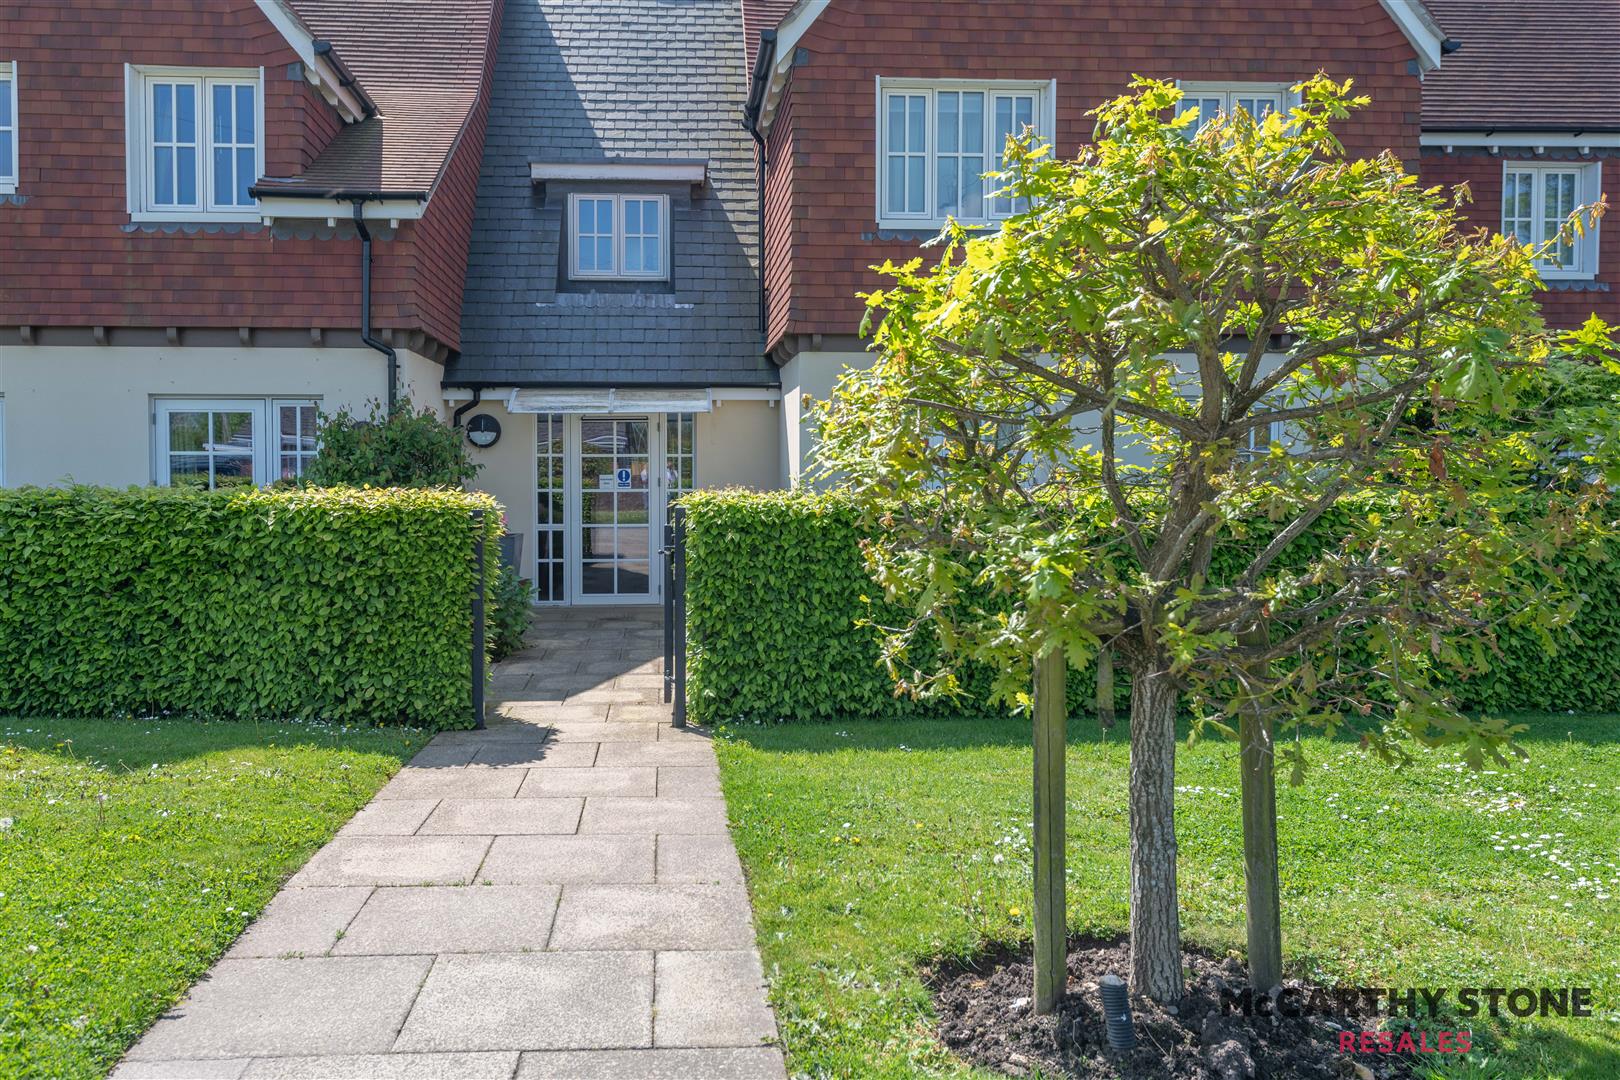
132, 853
872, 848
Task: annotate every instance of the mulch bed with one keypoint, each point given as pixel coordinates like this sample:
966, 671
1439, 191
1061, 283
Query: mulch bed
986, 1018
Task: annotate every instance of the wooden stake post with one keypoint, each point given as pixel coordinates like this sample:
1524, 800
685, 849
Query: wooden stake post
1051, 939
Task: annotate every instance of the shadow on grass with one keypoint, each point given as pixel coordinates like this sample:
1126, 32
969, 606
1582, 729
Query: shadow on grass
135, 745
970, 732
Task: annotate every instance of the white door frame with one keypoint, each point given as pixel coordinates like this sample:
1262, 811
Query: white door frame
573, 501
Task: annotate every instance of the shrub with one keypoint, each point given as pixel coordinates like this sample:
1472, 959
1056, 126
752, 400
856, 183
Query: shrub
775, 586
398, 449
510, 617
337, 604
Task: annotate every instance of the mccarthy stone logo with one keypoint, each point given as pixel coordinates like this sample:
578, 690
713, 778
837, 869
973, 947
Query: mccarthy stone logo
1466, 1002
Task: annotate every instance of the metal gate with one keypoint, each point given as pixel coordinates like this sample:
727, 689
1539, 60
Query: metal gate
674, 552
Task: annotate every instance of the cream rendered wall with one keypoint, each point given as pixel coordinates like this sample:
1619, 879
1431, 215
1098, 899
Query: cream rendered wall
738, 445
811, 374
508, 472
85, 414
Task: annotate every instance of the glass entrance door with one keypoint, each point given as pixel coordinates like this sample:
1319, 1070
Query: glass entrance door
617, 491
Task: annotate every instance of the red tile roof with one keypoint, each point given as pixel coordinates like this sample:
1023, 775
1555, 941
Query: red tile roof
760, 15
1527, 65
420, 62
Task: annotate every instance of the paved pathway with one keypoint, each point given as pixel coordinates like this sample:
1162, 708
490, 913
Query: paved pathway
556, 896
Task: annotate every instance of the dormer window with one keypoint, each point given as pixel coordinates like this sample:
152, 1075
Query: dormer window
615, 237
196, 143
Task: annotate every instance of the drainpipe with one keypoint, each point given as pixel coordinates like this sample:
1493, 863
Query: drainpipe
365, 307
455, 417
763, 58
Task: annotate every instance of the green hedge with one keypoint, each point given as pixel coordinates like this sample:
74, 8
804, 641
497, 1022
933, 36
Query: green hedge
775, 585
336, 604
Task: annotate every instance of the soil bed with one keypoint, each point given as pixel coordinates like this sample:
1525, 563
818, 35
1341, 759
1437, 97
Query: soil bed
985, 1017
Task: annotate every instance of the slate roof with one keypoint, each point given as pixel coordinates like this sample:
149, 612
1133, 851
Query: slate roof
615, 80
1549, 65
420, 61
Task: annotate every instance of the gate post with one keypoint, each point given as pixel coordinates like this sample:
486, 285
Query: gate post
679, 620
478, 620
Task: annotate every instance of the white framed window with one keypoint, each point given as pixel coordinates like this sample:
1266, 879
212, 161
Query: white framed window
623, 237
214, 443
936, 140
195, 142
1210, 99
10, 164
1537, 200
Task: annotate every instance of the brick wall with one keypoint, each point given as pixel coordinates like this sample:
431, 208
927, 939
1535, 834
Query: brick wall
1091, 48
1569, 303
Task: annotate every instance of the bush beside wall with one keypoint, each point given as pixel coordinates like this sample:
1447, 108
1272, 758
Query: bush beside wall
775, 585
335, 604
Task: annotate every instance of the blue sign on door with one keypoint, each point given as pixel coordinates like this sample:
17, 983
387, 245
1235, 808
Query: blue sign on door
624, 478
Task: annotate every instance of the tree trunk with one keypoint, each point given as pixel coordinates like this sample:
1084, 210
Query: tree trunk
1051, 941
1257, 763
1155, 919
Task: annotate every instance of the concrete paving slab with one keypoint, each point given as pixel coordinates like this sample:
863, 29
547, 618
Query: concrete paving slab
327, 1005
612, 731
452, 919
689, 781
710, 999
533, 1001
443, 757
660, 753
732, 1063
490, 1065
500, 817
394, 860
411, 783
656, 714
698, 860
612, 814
546, 715
569, 860
594, 917
389, 817
301, 922
671, 734
191, 1069
614, 697
543, 783
553, 755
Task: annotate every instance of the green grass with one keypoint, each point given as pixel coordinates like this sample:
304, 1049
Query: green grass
873, 848
132, 853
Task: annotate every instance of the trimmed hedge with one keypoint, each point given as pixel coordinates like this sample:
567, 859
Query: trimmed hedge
775, 584
345, 604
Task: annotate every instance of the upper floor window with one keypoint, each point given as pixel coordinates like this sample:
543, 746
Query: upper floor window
936, 140
195, 143
623, 237
1209, 100
1537, 200
8, 128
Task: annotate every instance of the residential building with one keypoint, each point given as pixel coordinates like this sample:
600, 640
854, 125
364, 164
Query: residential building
622, 241
612, 311
182, 283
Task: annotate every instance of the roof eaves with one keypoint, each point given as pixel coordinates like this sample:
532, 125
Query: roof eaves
1421, 30
339, 88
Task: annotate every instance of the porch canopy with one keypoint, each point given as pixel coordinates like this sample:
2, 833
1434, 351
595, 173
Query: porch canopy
609, 401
